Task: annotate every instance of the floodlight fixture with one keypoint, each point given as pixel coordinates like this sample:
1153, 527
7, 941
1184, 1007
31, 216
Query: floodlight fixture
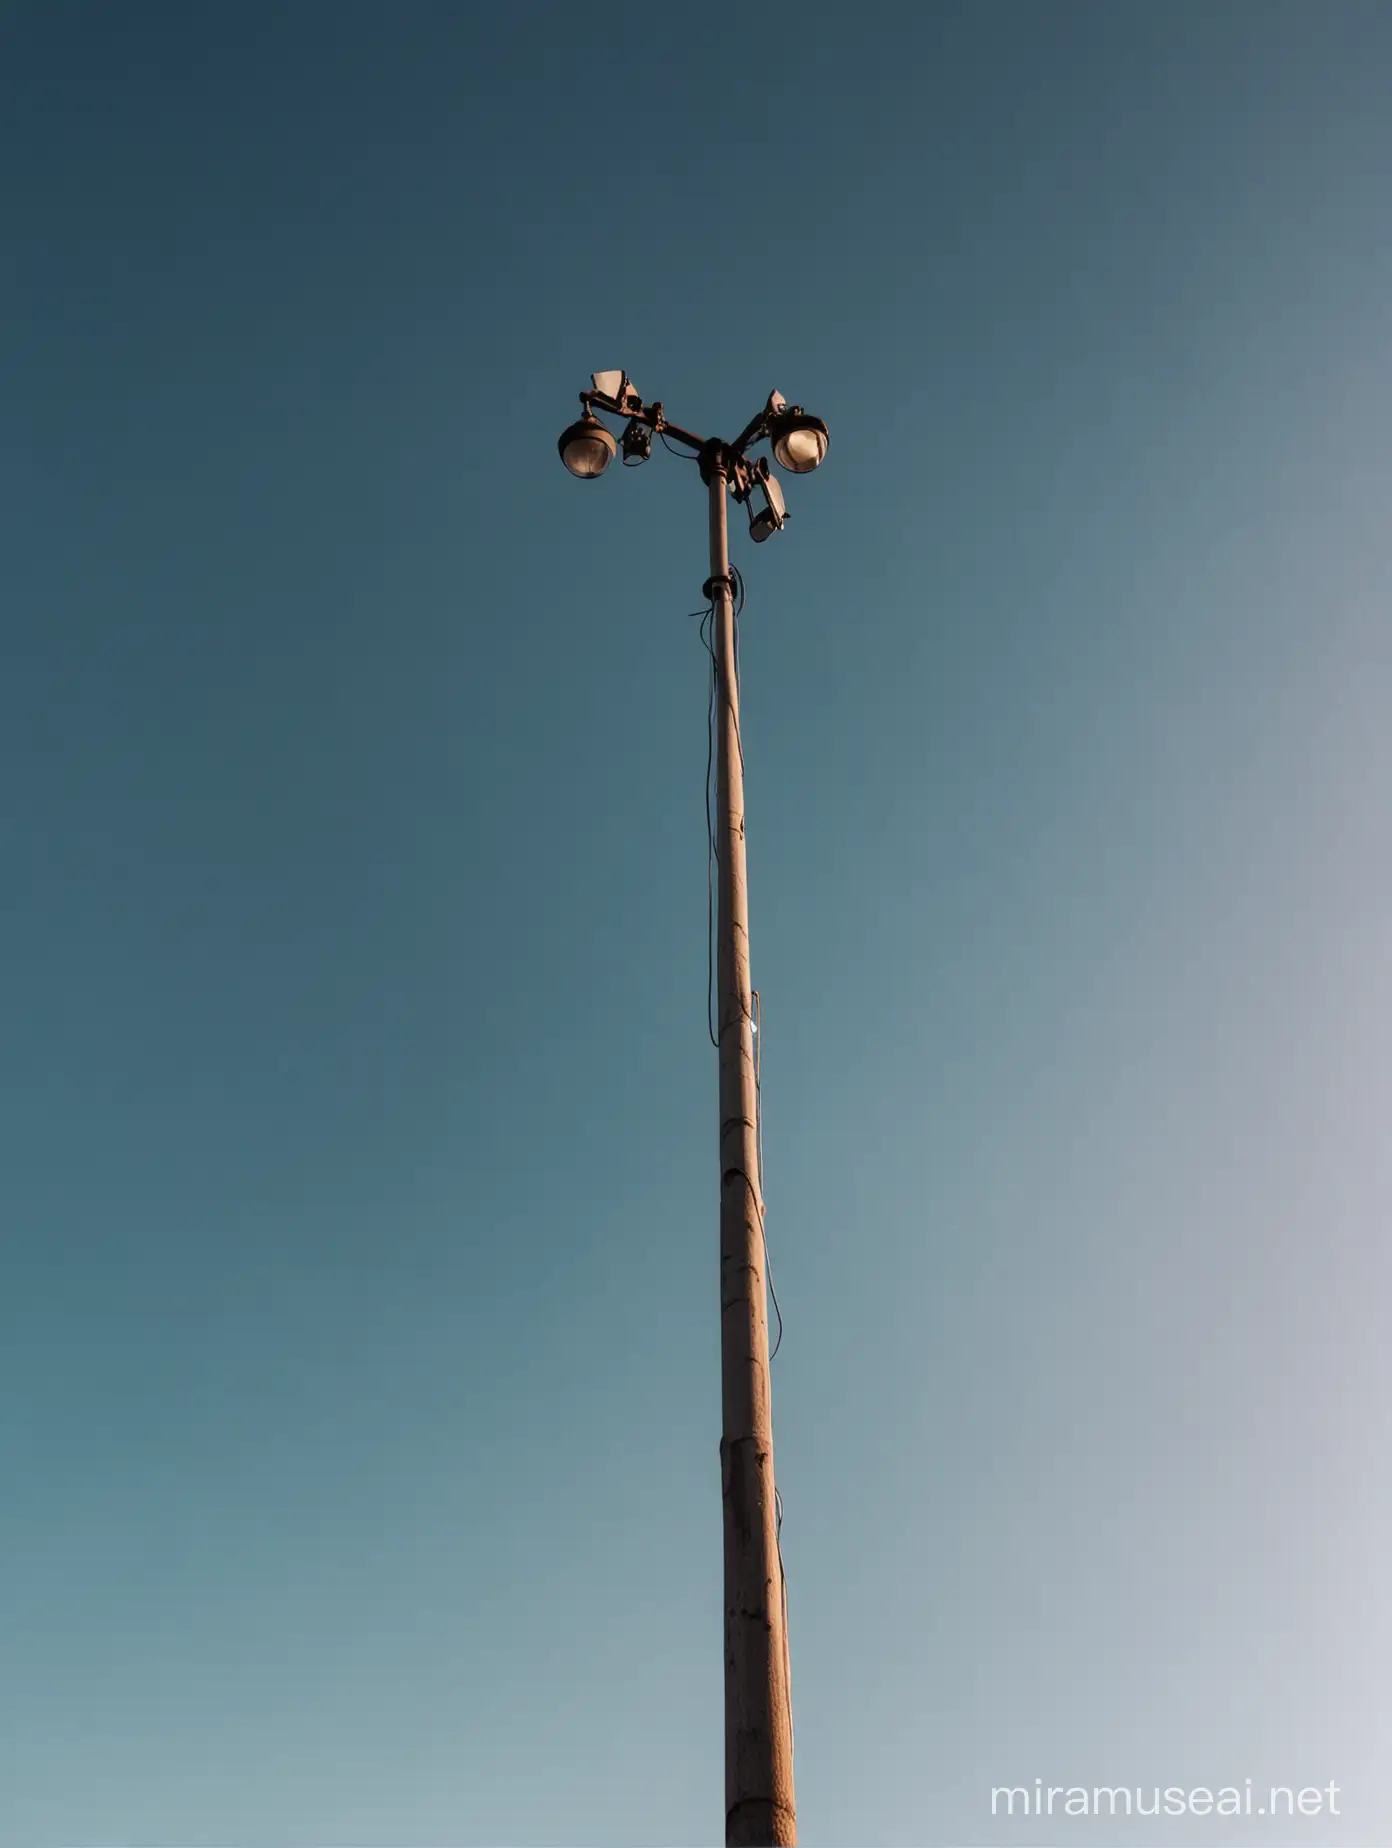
618, 388
636, 442
769, 514
586, 447
799, 441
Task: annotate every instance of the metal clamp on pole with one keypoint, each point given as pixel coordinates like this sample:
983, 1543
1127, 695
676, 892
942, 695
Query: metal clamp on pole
712, 459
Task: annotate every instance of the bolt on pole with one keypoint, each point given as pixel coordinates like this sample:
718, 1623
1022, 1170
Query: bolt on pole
759, 1807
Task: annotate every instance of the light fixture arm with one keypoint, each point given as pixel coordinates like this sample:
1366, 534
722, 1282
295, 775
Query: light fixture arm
743, 475
758, 427
631, 405
799, 444
623, 401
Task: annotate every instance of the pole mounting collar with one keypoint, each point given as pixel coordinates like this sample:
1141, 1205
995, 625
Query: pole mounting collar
712, 459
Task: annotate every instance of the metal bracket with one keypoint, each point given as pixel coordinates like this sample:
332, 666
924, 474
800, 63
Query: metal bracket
712, 458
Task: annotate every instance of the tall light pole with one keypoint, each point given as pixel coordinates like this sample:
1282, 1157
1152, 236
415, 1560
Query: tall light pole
759, 1807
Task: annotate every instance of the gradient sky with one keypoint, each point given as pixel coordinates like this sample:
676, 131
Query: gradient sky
358, 1318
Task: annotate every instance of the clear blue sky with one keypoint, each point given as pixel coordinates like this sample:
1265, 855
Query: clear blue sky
358, 1329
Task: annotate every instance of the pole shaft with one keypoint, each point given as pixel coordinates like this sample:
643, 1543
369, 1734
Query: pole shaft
759, 1806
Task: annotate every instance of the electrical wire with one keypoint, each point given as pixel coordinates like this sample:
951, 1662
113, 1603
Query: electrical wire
768, 1271
738, 583
783, 1585
711, 852
682, 454
739, 611
757, 1024
707, 622
712, 855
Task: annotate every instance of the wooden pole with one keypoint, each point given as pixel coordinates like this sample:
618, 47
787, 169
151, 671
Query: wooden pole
759, 1806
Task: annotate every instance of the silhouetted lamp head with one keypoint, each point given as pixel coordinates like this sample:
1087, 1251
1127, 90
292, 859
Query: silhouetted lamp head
586, 447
